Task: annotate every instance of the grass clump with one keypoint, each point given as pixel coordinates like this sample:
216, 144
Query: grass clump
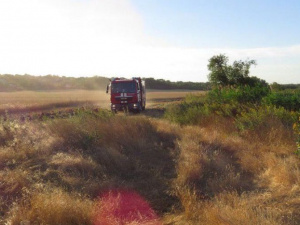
53, 207
296, 128
7, 131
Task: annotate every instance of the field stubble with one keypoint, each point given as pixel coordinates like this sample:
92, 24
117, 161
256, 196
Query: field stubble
32, 101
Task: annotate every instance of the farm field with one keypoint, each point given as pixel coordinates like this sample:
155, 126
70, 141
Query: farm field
177, 163
32, 101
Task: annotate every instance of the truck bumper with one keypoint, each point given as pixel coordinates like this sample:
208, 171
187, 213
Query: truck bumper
121, 107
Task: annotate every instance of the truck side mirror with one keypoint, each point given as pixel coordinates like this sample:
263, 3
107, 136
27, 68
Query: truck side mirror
106, 89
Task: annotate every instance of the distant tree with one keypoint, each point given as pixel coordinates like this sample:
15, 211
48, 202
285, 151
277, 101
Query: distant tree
236, 74
276, 87
218, 70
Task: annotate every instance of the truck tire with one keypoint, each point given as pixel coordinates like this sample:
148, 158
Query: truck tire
139, 109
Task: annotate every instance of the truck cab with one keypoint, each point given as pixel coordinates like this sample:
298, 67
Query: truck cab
127, 94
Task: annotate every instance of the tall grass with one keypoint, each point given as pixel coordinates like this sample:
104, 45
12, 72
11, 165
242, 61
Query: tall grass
53, 207
83, 155
225, 178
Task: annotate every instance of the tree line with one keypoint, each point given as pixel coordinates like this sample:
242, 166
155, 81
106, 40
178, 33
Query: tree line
27, 82
161, 84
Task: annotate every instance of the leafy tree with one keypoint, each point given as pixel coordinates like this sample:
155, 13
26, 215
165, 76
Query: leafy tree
276, 87
236, 74
219, 70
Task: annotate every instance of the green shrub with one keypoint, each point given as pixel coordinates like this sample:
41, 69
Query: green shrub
195, 99
227, 102
261, 116
241, 94
191, 111
289, 100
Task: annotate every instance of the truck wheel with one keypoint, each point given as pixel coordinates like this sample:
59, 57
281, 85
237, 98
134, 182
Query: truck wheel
139, 109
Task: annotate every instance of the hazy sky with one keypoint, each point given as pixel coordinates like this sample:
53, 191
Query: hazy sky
169, 39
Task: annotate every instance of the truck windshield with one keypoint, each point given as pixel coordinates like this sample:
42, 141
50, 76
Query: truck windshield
123, 87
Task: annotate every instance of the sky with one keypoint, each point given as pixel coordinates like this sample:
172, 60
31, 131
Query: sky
165, 39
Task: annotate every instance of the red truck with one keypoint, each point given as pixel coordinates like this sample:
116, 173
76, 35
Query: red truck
127, 94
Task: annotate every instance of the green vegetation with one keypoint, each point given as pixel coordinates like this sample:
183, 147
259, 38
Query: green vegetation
236, 74
279, 87
288, 99
161, 84
248, 101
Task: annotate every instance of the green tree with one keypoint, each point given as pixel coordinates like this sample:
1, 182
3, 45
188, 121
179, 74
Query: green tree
236, 74
276, 87
218, 70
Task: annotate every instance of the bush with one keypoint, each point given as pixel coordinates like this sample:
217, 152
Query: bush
254, 118
289, 100
227, 102
240, 94
191, 111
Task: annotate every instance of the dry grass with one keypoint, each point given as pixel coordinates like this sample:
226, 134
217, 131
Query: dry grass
29, 98
226, 178
53, 172
83, 155
31, 101
53, 207
128, 153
